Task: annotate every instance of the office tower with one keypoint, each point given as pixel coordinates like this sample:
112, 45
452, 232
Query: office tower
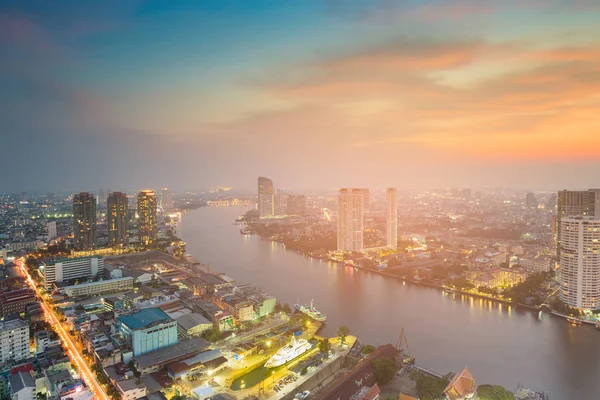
350, 219
265, 197
579, 272
391, 218
280, 199
101, 198
117, 220
571, 203
82, 268
531, 201
14, 341
149, 330
147, 221
84, 221
166, 199
51, 228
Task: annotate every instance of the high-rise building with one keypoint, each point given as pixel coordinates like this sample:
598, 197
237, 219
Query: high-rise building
266, 206
366, 198
350, 224
280, 202
579, 272
572, 203
117, 219
51, 228
147, 220
166, 199
531, 201
149, 330
71, 268
391, 218
101, 196
84, 221
14, 340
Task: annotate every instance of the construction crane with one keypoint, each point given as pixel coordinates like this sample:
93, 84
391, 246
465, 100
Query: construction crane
402, 347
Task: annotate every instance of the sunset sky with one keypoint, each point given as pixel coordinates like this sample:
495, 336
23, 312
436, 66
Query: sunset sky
314, 94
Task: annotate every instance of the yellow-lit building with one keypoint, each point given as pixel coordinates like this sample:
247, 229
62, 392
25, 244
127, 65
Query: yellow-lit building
147, 220
511, 276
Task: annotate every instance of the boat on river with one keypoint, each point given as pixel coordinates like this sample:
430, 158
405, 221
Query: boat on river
311, 311
287, 353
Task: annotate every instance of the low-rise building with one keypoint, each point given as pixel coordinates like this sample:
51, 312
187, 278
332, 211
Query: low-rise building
156, 360
149, 330
193, 324
14, 302
131, 389
508, 277
100, 287
22, 386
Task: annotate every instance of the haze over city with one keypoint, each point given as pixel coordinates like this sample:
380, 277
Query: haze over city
315, 94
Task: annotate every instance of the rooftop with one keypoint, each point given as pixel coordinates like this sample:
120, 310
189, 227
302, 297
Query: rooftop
13, 324
21, 380
461, 385
172, 353
144, 318
189, 321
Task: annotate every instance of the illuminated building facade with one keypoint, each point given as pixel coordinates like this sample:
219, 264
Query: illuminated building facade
117, 219
350, 223
579, 272
571, 203
84, 221
391, 218
147, 221
266, 206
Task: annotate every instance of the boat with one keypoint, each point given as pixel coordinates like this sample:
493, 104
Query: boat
574, 321
311, 311
287, 353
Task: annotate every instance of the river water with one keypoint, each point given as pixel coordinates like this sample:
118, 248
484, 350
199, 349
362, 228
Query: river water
500, 344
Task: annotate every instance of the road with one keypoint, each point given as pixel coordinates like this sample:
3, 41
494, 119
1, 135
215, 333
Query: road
84, 370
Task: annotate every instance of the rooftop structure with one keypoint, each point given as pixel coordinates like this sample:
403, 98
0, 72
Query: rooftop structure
154, 361
461, 387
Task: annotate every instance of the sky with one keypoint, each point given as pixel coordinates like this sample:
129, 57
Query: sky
314, 94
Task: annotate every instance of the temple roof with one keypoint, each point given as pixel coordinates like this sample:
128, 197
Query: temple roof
462, 385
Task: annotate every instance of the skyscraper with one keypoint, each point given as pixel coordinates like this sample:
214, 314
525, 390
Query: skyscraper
391, 218
166, 198
147, 223
531, 201
117, 219
350, 224
265, 197
572, 203
280, 201
84, 221
579, 271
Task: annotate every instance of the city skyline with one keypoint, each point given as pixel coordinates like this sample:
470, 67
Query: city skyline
467, 94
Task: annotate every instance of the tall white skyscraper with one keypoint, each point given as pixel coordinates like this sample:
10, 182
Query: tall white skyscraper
350, 223
391, 218
579, 271
266, 203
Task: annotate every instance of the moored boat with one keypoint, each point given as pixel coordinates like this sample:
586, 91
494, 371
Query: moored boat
311, 311
295, 348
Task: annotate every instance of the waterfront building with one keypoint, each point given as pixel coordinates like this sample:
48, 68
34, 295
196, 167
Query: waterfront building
14, 302
461, 387
14, 340
350, 223
266, 206
147, 219
100, 287
193, 324
63, 270
579, 272
391, 218
572, 203
531, 201
116, 216
511, 276
149, 330
84, 221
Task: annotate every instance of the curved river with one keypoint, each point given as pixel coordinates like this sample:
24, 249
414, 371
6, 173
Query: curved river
499, 344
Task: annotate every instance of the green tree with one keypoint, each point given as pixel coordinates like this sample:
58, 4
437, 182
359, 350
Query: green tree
287, 309
493, 392
343, 332
277, 308
177, 397
368, 349
430, 387
324, 346
213, 335
384, 369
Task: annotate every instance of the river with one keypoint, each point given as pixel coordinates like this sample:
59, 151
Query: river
500, 344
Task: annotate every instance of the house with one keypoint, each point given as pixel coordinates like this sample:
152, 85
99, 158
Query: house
22, 386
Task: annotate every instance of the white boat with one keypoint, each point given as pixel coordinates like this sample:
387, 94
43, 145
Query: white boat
311, 311
287, 353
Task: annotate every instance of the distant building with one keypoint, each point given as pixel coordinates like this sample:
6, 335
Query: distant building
579, 272
149, 330
350, 223
117, 219
14, 340
461, 387
147, 219
51, 228
71, 268
166, 199
266, 206
280, 202
391, 218
551, 202
531, 201
84, 221
14, 302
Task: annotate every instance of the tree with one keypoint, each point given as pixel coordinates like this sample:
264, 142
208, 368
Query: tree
177, 397
368, 349
213, 335
287, 309
384, 369
493, 392
277, 308
324, 346
430, 387
342, 332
